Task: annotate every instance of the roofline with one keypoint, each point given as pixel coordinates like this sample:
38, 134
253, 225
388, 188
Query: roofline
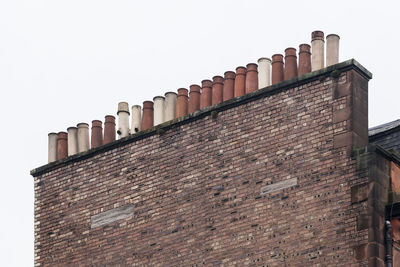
375, 136
331, 71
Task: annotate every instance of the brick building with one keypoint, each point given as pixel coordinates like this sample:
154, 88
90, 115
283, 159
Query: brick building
286, 175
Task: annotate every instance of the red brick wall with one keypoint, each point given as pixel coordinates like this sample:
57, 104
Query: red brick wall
201, 191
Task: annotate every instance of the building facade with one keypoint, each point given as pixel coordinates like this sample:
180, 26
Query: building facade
282, 176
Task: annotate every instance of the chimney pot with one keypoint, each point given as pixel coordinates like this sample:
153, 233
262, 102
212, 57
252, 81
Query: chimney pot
97, 134
52, 147
277, 68
217, 90
194, 98
290, 63
206, 94
264, 72
83, 137
332, 49
229, 85
148, 115
62, 145
170, 105
304, 59
72, 140
109, 129
240, 81
158, 109
136, 118
317, 50
251, 78
182, 102
123, 119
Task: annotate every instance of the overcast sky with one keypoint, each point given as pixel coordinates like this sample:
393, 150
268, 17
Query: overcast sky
65, 62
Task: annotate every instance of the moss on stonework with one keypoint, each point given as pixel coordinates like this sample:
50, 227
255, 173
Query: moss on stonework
160, 131
360, 154
335, 74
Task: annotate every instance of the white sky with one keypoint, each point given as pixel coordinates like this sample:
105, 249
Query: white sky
65, 62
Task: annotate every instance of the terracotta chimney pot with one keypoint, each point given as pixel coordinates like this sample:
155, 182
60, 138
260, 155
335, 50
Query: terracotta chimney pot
62, 145
290, 63
304, 59
240, 81
317, 50
251, 78
217, 90
229, 85
182, 103
97, 134
148, 115
109, 129
277, 68
194, 98
206, 94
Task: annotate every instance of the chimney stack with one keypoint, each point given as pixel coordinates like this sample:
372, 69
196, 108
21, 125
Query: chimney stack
170, 105
290, 63
304, 59
277, 68
62, 145
158, 109
182, 102
123, 119
109, 129
317, 50
206, 94
52, 147
72, 140
264, 72
229, 85
217, 90
240, 81
194, 98
251, 78
83, 137
97, 134
332, 49
136, 119
148, 115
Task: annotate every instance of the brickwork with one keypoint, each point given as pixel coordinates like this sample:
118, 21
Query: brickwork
271, 181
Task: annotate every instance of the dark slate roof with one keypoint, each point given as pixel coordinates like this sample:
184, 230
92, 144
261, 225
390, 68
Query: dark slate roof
383, 127
386, 135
